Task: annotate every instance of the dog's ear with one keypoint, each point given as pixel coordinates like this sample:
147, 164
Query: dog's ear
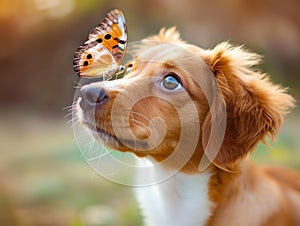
254, 107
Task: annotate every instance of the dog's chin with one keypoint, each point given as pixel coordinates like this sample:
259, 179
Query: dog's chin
100, 135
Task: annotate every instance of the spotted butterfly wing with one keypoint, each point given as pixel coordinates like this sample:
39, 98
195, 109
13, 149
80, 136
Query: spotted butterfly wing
102, 54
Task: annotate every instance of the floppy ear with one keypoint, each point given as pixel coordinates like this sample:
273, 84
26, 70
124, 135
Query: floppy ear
254, 107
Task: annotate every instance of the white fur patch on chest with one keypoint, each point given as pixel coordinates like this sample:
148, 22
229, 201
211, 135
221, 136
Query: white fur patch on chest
182, 200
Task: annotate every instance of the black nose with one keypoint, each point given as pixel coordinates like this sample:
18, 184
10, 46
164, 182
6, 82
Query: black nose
92, 96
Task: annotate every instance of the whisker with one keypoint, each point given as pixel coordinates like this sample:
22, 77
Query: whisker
70, 112
68, 107
74, 121
68, 115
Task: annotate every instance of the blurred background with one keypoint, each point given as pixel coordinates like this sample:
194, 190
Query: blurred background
44, 181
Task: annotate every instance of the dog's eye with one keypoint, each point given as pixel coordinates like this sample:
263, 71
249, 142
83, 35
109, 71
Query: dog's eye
171, 82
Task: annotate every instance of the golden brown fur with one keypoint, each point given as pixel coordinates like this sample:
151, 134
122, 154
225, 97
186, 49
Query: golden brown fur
254, 110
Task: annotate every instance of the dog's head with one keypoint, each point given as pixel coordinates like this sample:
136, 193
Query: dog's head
178, 97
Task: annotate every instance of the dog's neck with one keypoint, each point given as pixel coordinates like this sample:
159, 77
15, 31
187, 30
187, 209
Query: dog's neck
213, 197
180, 200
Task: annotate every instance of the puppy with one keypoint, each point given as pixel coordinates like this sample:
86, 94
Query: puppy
195, 115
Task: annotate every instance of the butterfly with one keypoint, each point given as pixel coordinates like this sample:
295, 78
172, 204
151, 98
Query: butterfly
102, 54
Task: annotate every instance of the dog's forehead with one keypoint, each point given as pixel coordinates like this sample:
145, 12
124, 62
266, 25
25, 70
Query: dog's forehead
163, 52
178, 55
185, 59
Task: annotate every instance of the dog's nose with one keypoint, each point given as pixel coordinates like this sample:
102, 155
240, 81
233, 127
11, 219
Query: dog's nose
92, 96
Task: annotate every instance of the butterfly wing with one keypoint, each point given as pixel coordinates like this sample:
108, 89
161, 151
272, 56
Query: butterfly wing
112, 33
105, 48
94, 60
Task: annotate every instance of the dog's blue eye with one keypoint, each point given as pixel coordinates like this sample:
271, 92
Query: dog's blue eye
171, 82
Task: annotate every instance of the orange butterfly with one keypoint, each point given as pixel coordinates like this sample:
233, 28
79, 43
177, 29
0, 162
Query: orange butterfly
101, 55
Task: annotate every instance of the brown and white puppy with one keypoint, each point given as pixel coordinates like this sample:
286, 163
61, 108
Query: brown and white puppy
199, 112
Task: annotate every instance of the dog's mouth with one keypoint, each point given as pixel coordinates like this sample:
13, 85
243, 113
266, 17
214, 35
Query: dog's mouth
103, 136
99, 134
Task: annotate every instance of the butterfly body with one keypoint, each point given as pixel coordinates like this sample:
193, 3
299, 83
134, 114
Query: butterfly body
102, 54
